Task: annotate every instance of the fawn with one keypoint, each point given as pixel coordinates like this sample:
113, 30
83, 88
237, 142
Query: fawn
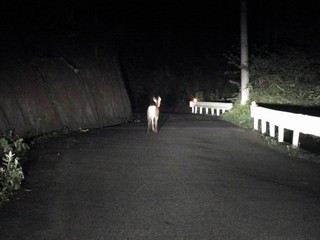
153, 114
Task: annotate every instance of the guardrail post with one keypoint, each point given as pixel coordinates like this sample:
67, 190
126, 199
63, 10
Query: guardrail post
263, 126
271, 130
280, 134
295, 139
256, 123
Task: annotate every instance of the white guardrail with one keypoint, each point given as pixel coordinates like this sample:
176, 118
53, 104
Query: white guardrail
215, 108
298, 123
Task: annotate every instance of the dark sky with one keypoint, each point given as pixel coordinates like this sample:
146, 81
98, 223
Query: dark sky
215, 21
137, 13
207, 26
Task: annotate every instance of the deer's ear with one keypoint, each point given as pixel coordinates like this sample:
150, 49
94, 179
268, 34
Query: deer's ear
154, 99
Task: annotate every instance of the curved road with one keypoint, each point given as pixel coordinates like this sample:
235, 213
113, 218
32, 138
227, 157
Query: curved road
198, 178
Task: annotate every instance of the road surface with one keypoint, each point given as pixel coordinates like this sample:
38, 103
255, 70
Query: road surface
197, 178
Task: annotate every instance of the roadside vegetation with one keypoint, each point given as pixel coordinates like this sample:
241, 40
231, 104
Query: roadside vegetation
289, 78
12, 151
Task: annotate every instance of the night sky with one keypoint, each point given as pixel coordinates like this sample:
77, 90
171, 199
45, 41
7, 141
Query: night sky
147, 20
199, 21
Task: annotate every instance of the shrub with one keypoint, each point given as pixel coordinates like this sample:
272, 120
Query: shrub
12, 150
239, 115
11, 142
289, 77
11, 176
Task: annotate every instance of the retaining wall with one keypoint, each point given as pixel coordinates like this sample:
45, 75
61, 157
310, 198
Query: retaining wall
55, 85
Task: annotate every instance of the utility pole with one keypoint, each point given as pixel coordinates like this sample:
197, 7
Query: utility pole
244, 52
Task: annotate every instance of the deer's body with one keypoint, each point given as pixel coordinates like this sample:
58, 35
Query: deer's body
153, 114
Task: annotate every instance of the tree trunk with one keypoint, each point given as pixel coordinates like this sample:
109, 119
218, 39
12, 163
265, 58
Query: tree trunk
244, 53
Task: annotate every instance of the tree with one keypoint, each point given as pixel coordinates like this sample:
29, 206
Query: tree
244, 52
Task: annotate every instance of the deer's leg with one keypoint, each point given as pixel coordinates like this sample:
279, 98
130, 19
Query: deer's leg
153, 124
156, 124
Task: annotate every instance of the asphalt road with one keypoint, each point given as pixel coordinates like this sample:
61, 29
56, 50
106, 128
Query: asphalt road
197, 178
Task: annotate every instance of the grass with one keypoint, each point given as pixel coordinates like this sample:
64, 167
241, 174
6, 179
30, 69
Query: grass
239, 115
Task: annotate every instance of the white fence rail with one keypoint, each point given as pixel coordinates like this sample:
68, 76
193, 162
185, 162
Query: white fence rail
215, 108
298, 123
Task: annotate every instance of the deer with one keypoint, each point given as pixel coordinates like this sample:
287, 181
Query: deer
153, 114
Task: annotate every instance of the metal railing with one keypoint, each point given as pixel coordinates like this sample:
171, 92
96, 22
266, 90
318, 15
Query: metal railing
298, 123
213, 108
